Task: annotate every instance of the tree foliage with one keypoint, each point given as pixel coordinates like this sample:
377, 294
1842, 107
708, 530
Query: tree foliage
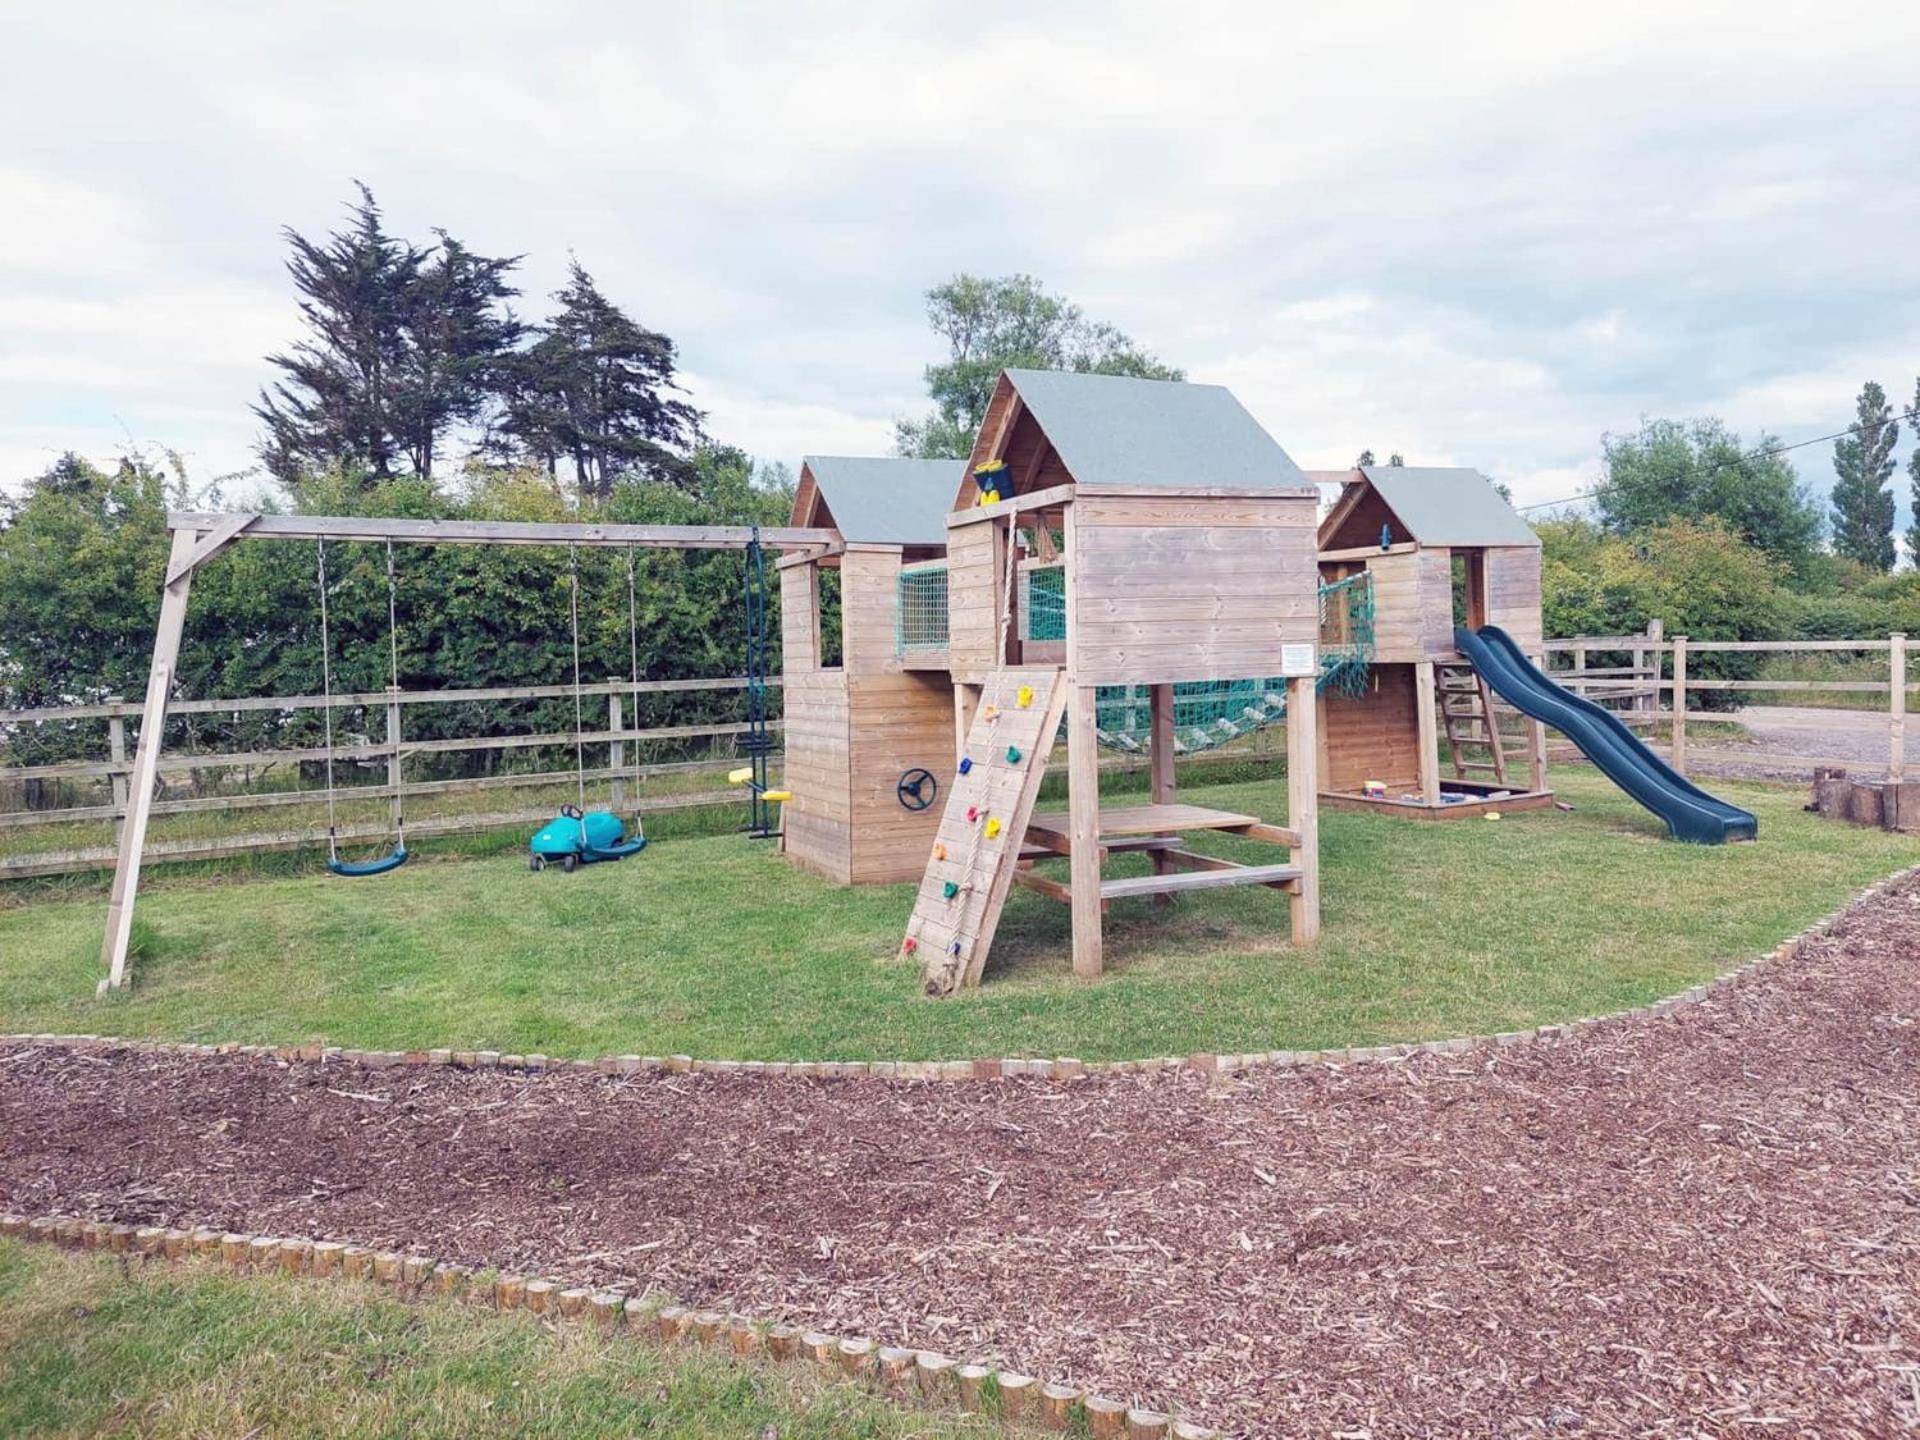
1862, 493
401, 344
408, 346
1698, 470
992, 323
1699, 578
596, 389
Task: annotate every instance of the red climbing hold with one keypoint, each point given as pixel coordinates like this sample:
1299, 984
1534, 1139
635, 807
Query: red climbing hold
909, 946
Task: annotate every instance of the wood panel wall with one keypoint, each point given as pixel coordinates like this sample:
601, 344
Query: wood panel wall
1514, 595
1374, 737
898, 722
1188, 587
973, 598
799, 620
869, 599
1412, 606
816, 821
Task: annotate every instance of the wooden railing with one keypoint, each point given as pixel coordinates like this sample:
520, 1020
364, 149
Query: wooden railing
619, 745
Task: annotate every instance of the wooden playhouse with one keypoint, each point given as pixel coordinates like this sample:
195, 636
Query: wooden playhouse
1439, 547
1147, 535
869, 737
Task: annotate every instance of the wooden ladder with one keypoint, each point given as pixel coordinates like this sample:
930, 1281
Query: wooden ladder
1466, 702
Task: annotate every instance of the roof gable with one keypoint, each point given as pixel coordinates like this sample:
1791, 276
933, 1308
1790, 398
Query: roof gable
1118, 430
878, 500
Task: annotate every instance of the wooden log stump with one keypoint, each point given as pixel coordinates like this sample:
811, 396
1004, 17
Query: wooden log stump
971, 1383
896, 1369
856, 1356
295, 1256
416, 1271
387, 1266
783, 1342
206, 1242
540, 1296
822, 1348
573, 1301
672, 1322
709, 1327
1148, 1425
605, 1308
1018, 1396
263, 1252
1106, 1418
356, 1262
935, 1372
1057, 1405
510, 1292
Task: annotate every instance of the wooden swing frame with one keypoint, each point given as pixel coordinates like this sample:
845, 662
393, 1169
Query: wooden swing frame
200, 536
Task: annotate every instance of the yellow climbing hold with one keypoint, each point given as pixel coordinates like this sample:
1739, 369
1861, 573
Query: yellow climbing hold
1024, 696
993, 827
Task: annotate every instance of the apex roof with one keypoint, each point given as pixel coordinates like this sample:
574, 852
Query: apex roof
878, 500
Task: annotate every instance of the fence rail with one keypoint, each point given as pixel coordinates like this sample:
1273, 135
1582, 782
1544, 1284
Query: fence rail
620, 746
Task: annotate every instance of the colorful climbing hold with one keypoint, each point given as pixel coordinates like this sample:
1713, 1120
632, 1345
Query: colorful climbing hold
950, 889
909, 946
973, 813
966, 764
993, 827
954, 948
1013, 754
939, 852
1023, 697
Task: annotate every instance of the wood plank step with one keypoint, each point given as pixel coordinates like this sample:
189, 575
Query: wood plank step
1142, 820
1197, 880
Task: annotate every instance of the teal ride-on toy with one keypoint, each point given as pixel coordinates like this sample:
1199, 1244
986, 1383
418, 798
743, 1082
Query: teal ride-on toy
572, 839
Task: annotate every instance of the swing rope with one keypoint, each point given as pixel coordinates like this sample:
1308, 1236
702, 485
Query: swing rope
579, 743
398, 856
326, 710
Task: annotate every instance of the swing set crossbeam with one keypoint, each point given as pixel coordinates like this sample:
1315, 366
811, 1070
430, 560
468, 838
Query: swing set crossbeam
199, 536
493, 532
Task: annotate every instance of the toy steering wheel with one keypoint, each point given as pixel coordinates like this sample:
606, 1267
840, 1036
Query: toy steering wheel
917, 789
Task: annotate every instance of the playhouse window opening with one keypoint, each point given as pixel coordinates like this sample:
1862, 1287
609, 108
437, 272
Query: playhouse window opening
921, 609
828, 607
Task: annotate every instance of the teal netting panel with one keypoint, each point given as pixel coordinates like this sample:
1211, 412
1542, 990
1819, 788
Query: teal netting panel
1208, 714
920, 623
1043, 603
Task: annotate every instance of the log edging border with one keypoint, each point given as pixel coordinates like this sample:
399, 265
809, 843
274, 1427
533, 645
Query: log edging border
1061, 1068
924, 1379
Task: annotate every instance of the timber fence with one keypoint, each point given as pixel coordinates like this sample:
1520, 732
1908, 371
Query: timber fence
75, 795
1657, 686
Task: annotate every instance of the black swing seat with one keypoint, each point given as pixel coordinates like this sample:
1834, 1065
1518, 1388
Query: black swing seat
369, 867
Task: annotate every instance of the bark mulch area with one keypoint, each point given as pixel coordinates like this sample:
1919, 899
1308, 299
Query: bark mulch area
1701, 1225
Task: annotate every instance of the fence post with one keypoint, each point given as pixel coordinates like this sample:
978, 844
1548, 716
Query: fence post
117, 753
1896, 708
394, 806
1579, 686
1680, 703
617, 749
1650, 666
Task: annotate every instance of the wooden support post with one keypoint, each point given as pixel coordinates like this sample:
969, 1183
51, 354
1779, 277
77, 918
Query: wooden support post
117, 753
616, 750
1303, 805
1896, 708
396, 807
146, 758
1429, 737
1083, 812
1579, 687
1680, 703
1161, 782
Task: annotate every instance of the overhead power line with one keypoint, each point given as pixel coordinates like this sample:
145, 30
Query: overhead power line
1765, 452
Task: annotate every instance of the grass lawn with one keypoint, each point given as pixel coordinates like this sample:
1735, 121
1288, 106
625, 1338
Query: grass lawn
714, 947
90, 1347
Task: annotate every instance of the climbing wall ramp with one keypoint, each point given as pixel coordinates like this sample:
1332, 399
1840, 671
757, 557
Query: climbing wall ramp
978, 843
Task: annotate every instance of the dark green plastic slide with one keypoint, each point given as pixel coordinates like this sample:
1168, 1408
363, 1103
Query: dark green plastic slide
1691, 814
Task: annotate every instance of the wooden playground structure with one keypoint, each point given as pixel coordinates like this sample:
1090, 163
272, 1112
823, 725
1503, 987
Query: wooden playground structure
1124, 564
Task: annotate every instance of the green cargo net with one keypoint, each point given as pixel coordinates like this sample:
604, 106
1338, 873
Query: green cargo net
920, 623
1208, 714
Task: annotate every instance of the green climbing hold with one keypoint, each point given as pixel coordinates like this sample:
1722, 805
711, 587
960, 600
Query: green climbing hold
1013, 754
950, 889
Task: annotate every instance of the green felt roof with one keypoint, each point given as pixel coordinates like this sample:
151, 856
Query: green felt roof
1116, 430
1449, 506
887, 501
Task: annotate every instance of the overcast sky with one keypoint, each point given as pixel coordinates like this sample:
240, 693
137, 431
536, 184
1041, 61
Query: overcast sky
1478, 234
